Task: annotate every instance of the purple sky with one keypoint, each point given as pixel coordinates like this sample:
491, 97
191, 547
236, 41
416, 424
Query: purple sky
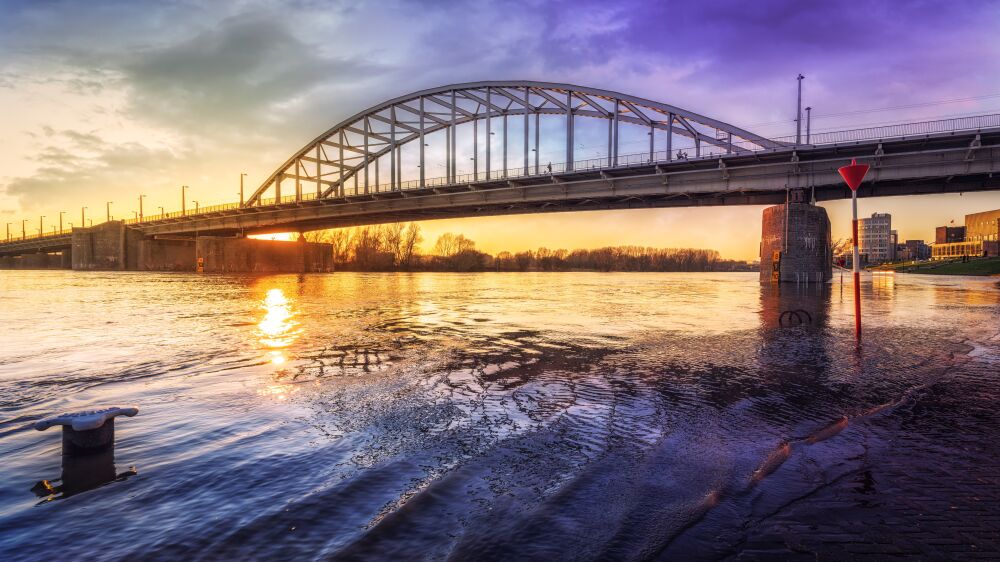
103, 100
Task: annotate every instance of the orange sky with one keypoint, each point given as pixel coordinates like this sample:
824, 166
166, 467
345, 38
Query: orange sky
733, 231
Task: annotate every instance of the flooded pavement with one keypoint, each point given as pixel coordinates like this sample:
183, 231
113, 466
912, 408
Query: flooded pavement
535, 416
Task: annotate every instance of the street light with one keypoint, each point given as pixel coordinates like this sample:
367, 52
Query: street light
90, 223
183, 200
108, 208
135, 215
8, 231
140, 207
241, 188
41, 229
83, 217
24, 230
195, 207
798, 114
61, 213
163, 214
808, 123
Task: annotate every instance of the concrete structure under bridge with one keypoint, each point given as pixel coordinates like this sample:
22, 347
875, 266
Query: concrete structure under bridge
114, 246
354, 174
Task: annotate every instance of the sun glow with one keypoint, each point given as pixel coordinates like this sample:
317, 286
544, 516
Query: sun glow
277, 236
278, 329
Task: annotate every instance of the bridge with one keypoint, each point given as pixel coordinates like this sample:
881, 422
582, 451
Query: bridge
372, 167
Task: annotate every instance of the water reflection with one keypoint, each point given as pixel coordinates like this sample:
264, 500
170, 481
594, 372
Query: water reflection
278, 329
810, 302
516, 416
82, 472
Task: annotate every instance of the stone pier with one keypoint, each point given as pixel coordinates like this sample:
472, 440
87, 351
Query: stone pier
795, 245
245, 255
55, 260
114, 246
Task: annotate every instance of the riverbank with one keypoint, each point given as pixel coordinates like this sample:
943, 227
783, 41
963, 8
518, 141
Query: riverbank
975, 266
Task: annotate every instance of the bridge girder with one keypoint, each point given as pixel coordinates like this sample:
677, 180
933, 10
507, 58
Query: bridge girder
356, 146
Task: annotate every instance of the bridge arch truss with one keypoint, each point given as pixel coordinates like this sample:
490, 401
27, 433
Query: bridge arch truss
362, 155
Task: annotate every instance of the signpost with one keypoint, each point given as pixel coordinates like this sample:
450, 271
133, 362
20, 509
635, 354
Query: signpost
853, 176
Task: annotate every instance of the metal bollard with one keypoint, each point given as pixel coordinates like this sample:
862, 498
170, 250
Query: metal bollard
87, 431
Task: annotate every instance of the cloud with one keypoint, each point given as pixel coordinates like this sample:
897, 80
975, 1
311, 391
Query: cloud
77, 165
248, 72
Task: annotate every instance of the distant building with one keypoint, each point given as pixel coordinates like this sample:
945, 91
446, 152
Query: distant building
983, 227
949, 234
913, 250
979, 237
877, 242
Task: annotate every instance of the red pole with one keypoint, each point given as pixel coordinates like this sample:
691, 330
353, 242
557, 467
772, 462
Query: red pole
853, 175
857, 268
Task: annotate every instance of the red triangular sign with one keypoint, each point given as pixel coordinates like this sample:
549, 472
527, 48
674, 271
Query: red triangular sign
854, 174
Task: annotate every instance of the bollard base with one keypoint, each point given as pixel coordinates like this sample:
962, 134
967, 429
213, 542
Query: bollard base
88, 441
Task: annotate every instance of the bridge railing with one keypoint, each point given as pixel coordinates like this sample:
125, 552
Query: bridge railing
52, 234
686, 152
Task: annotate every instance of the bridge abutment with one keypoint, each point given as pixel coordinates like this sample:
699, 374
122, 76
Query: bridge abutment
40, 260
102, 247
247, 255
795, 243
170, 254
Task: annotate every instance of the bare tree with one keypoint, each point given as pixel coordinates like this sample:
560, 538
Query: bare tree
393, 238
411, 239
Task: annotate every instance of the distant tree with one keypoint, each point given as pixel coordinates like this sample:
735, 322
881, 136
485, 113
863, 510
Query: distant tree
523, 260
411, 242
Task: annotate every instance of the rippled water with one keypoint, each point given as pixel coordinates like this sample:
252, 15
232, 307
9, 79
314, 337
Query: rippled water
487, 416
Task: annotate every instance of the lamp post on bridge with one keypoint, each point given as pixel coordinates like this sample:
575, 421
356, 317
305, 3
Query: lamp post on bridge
183, 200
61, 213
243, 175
808, 123
108, 209
140, 207
798, 114
24, 229
163, 214
8, 231
41, 228
83, 217
195, 206
853, 175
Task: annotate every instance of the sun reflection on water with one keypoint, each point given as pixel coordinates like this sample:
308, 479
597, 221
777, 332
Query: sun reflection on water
278, 328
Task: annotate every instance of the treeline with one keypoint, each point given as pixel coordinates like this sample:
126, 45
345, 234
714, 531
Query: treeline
396, 247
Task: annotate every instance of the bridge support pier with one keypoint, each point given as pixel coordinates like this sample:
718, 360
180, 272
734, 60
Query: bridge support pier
795, 243
248, 255
41, 260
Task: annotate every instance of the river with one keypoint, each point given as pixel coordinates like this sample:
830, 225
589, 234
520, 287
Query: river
498, 416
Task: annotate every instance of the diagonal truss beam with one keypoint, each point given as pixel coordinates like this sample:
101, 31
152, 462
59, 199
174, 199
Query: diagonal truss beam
556, 99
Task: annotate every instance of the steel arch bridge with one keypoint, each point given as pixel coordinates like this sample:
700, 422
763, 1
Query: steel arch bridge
353, 157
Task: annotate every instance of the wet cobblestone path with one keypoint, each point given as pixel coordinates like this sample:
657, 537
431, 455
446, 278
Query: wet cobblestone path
928, 486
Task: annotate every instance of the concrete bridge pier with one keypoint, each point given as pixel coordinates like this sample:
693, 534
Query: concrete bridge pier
795, 243
39, 260
114, 246
247, 255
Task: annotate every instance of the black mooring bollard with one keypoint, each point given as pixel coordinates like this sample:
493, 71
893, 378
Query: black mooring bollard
87, 432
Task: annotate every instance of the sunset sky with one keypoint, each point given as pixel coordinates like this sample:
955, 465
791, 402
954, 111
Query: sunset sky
104, 101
